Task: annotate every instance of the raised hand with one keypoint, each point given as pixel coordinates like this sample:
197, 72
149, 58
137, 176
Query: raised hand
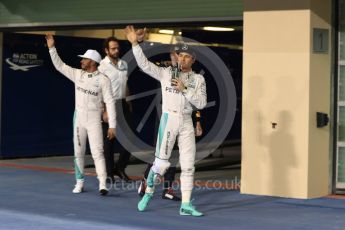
131, 34
50, 40
174, 58
140, 34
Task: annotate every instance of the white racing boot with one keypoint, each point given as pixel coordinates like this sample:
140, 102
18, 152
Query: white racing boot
79, 187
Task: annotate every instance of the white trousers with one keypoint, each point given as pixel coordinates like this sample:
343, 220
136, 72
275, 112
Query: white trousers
88, 125
178, 127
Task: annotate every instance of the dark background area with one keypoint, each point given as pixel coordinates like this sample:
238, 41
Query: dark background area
38, 104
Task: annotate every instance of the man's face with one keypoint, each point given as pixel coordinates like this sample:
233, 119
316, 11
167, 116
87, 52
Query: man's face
113, 50
86, 63
186, 61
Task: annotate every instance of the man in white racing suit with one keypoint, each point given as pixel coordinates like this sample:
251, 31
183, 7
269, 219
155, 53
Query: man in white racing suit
179, 95
91, 89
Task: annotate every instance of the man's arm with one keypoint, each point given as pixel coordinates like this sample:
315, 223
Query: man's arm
144, 64
109, 101
66, 70
197, 96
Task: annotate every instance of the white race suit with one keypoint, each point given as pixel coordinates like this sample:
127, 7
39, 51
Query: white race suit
176, 120
91, 90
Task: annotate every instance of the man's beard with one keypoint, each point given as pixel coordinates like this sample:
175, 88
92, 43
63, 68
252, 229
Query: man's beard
115, 56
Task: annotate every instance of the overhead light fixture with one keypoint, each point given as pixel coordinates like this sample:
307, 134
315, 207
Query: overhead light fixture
211, 28
166, 31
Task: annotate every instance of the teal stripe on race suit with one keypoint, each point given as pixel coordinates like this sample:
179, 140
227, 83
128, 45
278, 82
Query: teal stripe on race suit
78, 174
161, 130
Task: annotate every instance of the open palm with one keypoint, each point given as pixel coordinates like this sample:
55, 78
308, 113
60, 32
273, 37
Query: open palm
131, 34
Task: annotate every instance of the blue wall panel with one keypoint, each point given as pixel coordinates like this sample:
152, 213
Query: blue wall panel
38, 102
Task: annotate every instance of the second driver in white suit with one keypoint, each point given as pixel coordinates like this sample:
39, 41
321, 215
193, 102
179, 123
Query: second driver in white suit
179, 96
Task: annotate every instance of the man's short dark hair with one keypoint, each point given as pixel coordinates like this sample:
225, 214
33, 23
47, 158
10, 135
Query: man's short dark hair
109, 39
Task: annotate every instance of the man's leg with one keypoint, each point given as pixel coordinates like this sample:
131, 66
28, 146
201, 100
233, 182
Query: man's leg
186, 141
147, 170
168, 191
122, 164
165, 142
96, 145
79, 142
158, 168
108, 152
169, 176
124, 154
142, 187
